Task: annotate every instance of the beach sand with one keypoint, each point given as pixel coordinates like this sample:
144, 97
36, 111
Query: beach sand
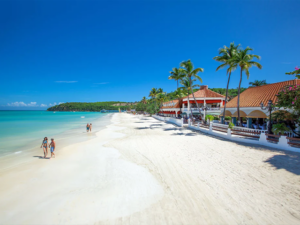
142, 171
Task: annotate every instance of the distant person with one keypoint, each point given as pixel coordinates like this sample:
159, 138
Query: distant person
87, 128
52, 147
90, 127
45, 146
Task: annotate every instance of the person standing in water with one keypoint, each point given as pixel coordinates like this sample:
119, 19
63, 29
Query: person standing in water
90, 127
45, 146
52, 147
87, 128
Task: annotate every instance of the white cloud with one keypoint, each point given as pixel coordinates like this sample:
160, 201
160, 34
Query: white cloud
102, 83
17, 104
32, 104
61, 103
67, 81
43, 105
22, 104
54, 103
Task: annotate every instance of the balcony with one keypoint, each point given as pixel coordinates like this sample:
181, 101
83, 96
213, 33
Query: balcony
217, 109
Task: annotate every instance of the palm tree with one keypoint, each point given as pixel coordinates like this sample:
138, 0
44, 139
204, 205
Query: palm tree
160, 90
153, 94
161, 98
257, 83
144, 100
188, 86
226, 54
245, 61
176, 74
180, 93
191, 73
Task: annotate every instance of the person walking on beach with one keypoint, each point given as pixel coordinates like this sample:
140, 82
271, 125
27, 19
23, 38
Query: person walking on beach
87, 128
45, 146
52, 147
90, 127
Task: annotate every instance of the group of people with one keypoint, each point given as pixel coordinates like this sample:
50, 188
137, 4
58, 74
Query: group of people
89, 127
52, 146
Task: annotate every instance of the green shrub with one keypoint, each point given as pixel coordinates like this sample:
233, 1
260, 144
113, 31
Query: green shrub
230, 125
228, 118
280, 128
216, 118
209, 117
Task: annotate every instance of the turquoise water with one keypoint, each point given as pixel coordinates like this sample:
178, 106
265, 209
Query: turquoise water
19, 128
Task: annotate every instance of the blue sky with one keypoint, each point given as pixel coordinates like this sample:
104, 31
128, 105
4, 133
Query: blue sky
87, 51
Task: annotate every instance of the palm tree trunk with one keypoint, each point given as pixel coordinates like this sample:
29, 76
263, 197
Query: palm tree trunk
226, 98
190, 108
194, 97
239, 91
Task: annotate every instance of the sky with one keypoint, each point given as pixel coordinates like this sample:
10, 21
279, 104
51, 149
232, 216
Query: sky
87, 51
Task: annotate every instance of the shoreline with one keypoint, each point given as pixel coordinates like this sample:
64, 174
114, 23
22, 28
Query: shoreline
65, 138
80, 173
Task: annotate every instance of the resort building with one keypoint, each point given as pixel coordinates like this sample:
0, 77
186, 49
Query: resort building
171, 108
251, 114
208, 101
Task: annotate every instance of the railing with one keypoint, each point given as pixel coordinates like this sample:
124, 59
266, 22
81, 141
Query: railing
249, 130
197, 110
237, 134
294, 142
220, 125
273, 138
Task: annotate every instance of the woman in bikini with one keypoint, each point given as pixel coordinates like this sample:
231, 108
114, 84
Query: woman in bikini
87, 128
45, 146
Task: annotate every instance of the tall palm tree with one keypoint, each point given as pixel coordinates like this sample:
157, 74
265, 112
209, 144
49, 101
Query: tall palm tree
188, 85
225, 55
160, 90
180, 93
245, 61
257, 83
176, 74
161, 98
153, 94
191, 73
144, 100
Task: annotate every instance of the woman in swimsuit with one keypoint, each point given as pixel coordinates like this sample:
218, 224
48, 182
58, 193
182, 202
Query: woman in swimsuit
87, 128
45, 146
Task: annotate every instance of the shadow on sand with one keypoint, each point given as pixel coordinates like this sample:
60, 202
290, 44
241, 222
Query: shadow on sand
288, 160
41, 157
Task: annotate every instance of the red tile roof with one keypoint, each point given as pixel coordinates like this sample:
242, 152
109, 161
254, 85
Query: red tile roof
204, 92
177, 104
253, 96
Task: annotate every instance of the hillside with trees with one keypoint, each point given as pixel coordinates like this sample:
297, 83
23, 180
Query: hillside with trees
90, 106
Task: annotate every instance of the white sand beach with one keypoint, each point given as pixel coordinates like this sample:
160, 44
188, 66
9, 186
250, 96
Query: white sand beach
142, 171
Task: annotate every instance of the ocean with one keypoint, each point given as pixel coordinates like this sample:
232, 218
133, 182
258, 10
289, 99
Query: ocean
25, 130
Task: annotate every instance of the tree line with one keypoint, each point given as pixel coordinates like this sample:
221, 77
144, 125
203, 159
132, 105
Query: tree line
89, 106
